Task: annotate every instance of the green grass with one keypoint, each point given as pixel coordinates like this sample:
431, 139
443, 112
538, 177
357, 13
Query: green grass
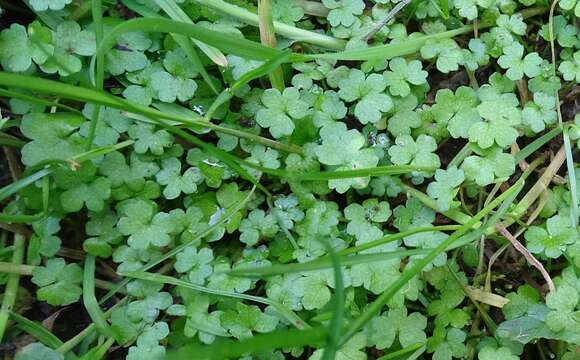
342, 318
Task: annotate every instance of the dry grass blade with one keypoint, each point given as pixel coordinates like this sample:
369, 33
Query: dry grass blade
268, 38
526, 253
379, 25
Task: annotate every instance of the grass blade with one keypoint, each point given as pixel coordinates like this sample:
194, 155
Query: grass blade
324, 263
225, 42
399, 353
37, 100
567, 146
260, 71
443, 8
16, 186
89, 299
49, 18
263, 69
20, 219
99, 76
11, 290
226, 349
11, 141
103, 98
335, 326
99, 351
50, 167
37, 330
571, 179
536, 144
228, 159
176, 13
389, 51
268, 38
453, 214
286, 30
346, 259
288, 314
342, 174
395, 237
182, 41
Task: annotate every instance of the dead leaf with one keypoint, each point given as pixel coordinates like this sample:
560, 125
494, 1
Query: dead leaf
487, 297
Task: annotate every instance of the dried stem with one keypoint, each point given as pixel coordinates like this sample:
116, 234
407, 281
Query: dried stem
522, 85
13, 164
523, 164
526, 253
539, 187
386, 19
268, 38
16, 229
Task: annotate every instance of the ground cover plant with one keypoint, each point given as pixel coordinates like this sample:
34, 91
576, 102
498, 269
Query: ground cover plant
290, 179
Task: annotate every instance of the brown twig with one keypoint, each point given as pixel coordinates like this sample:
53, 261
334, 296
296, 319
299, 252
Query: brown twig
16, 228
522, 85
526, 253
13, 163
523, 164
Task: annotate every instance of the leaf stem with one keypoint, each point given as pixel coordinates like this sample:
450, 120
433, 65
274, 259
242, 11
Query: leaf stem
77, 339
453, 214
16, 268
89, 299
26, 270
460, 156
